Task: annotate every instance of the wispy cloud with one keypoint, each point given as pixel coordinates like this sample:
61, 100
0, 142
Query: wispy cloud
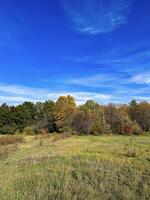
16, 99
22, 90
125, 57
98, 80
143, 78
142, 98
13, 94
122, 87
16, 94
128, 60
97, 16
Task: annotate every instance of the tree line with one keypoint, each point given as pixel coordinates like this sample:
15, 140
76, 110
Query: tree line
65, 116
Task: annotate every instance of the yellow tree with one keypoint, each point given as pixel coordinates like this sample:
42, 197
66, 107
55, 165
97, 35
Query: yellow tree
65, 109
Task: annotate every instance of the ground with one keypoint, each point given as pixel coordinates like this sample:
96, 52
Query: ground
76, 167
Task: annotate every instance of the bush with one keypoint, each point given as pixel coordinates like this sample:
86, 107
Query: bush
4, 140
107, 129
96, 129
7, 129
31, 130
64, 130
137, 130
99, 128
51, 125
125, 126
83, 122
42, 125
127, 129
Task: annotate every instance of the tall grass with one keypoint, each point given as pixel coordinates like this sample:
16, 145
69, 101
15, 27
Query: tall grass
11, 139
77, 179
77, 168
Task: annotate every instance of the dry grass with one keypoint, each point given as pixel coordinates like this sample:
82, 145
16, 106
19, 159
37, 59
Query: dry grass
11, 139
6, 150
77, 168
63, 136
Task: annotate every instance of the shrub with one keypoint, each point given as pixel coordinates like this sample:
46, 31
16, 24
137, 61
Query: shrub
107, 129
125, 126
51, 125
96, 129
127, 129
137, 130
83, 122
99, 128
4, 140
31, 130
7, 129
42, 125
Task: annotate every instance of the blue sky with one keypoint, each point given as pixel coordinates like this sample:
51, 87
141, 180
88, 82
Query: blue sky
91, 49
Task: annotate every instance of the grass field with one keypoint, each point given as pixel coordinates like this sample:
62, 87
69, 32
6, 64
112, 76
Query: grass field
76, 167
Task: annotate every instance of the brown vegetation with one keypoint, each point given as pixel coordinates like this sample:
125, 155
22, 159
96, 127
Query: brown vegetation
8, 139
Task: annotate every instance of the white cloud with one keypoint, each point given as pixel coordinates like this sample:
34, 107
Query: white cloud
143, 78
19, 89
13, 94
16, 99
119, 95
94, 81
94, 17
82, 97
142, 98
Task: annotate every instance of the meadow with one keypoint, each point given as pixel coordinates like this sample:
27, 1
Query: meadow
106, 167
